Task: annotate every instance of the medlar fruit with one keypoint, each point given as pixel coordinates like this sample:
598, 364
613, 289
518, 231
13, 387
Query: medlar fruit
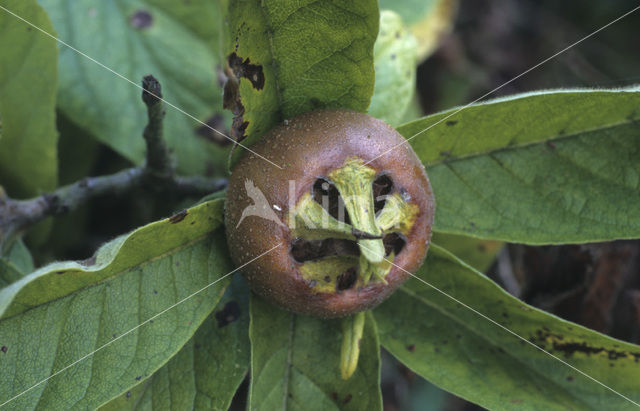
347, 213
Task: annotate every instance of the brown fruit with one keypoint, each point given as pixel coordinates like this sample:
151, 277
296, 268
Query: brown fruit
345, 225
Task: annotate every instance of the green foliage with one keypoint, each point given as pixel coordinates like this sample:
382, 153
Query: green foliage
462, 352
541, 168
206, 372
173, 45
28, 85
295, 363
301, 56
394, 58
427, 20
62, 312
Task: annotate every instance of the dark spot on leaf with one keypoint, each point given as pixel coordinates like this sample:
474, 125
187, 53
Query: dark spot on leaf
4, 349
114, 335
139, 377
570, 378
228, 314
176, 218
551, 144
236, 69
505, 315
458, 336
445, 153
436, 349
141, 19
60, 272
398, 35
411, 348
155, 291
393, 57
128, 394
212, 130
451, 123
327, 279
347, 398
516, 401
196, 346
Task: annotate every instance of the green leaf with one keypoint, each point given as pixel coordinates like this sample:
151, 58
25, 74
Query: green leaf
394, 57
290, 57
427, 19
206, 372
479, 254
63, 312
295, 363
135, 38
539, 168
462, 352
15, 263
28, 85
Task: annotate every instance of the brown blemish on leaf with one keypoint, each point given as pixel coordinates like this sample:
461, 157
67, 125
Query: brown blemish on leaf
236, 69
228, 314
141, 19
347, 398
411, 348
176, 218
4, 349
128, 394
451, 122
554, 342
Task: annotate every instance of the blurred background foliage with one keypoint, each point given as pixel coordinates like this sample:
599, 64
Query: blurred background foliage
463, 49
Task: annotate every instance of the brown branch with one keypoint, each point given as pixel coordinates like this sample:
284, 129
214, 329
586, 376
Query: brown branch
157, 172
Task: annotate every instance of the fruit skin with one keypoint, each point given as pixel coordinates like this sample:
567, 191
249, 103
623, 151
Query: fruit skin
309, 147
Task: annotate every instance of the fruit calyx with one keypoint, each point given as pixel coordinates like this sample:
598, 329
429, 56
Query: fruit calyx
348, 229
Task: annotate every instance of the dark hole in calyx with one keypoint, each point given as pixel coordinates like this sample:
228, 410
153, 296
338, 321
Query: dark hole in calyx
307, 250
393, 242
347, 279
327, 195
382, 186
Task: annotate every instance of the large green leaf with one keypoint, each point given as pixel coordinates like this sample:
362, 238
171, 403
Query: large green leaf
28, 85
207, 371
135, 38
290, 57
295, 363
552, 167
394, 56
63, 312
462, 352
